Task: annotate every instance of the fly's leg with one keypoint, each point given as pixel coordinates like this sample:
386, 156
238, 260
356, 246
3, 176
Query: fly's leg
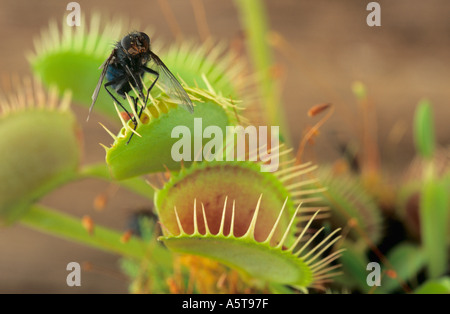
115, 81
137, 83
123, 81
148, 70
148, 90
135, 100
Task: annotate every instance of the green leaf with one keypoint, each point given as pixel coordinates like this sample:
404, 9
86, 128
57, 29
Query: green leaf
153, 151
438, 286
40, 151
424, 129
354, 264
434, 215
407, 260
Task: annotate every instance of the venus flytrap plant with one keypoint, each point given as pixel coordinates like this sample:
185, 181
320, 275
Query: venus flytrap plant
244, 183
355, 211
40, 145
246, 219
151, 148
258, 223
219, 218
272, 263
41, 150
351, 206
165, 272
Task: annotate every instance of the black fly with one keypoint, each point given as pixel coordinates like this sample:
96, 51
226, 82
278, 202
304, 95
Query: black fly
125, 67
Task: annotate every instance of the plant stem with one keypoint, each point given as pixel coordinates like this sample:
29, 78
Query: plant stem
434, 215
100, 171
254, 19
64, 226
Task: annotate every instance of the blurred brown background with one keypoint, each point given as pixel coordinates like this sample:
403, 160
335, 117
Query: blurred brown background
404, 60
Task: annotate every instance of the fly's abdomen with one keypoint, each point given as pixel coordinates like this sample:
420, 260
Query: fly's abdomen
113, 73
120, 85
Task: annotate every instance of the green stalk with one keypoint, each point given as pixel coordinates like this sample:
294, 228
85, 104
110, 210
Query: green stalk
424, 129
434, 215
254, 19
64, 226
136, 185
434, 201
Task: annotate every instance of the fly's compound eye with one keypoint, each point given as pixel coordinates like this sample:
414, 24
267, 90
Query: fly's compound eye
144, 40
127, 42
143, 37
131, 44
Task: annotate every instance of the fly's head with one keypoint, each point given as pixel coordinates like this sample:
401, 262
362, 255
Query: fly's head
137, 44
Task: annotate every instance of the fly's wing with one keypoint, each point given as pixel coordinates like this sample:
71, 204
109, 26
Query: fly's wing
100, 81
171, 84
